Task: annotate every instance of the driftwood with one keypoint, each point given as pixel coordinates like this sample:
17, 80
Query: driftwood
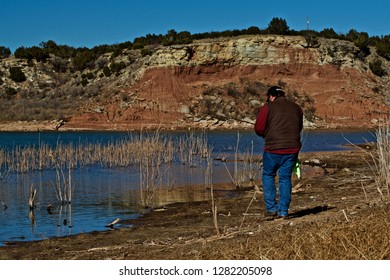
114, 222
31, 215
49, 209
31, 200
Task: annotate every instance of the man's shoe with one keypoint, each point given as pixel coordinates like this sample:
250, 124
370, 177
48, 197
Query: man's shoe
271, 214
282, 217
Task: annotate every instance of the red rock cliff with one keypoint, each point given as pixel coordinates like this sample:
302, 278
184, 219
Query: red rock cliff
165, 89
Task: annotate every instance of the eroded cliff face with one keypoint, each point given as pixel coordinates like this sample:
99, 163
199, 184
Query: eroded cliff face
227, 76
341, 87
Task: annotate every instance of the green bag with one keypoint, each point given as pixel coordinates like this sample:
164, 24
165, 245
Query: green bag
297, 169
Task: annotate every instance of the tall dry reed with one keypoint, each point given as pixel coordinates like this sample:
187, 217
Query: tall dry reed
192, 148
245, 167
63, 187
120, 153
381, 158
153, 158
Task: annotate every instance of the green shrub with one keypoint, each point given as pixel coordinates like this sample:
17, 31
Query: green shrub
36, 53
278, 26
106, 71
4, 52
383, 47
311, 39
116, 67
59, 64
84, 82
146, 52
17, 75
376, 68
88, 76
83, 59
362, 42
329, 33
10, 91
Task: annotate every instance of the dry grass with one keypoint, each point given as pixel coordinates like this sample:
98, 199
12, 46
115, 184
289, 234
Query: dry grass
381, 159
365, 238
151, 159
193, 148
121, 153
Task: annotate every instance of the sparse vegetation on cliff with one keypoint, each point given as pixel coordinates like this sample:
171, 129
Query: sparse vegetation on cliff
83, 58
17, 75
230, 102
54, 81
376, 68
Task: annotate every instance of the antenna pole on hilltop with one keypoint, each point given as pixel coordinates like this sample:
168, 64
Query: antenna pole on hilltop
307, 23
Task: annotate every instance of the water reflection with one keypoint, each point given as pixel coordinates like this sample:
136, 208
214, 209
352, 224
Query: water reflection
64, 223
33, 221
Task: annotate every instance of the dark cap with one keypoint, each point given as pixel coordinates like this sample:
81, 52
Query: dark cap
275, 91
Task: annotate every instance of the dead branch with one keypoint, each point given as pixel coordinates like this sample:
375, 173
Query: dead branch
31, 200
114, 222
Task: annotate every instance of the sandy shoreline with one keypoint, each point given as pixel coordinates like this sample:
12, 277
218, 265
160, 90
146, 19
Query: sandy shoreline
59, 125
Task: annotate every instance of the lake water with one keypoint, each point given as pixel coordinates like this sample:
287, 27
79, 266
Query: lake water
102, 194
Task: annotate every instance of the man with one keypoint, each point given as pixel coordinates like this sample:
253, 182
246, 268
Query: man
280, 123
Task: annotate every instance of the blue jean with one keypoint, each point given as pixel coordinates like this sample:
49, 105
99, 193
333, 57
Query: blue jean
283, 165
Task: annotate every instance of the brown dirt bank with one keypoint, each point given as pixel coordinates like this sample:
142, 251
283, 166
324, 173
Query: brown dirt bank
336, 213
171, 124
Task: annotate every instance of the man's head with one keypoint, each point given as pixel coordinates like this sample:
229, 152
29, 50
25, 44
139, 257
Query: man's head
274, 92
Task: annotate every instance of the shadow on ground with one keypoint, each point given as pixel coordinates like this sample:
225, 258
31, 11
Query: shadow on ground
310, 211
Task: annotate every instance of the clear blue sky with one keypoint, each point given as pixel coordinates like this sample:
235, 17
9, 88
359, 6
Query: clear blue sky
88, 23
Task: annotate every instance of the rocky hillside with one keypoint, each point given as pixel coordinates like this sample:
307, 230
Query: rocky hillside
213, 84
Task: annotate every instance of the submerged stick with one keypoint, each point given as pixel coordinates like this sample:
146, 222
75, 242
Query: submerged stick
4, 205
31, 200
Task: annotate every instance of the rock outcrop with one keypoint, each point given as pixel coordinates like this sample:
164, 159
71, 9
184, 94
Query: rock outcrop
221, 84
